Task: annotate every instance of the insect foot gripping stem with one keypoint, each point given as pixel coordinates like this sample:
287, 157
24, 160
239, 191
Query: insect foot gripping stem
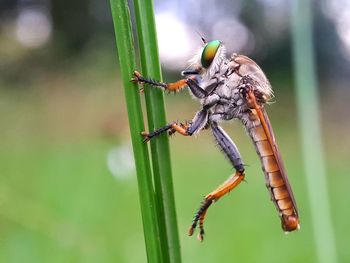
181, 128
148, 136
138, 78
175, 86
212, 197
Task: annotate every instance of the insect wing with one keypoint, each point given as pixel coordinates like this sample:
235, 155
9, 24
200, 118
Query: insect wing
266, 123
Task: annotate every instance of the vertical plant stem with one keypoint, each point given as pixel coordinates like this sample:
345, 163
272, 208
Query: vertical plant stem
125, 46
156, 118
310, 129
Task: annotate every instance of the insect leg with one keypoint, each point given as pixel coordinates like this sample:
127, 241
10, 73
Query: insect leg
148, 136
165, 86
200, 92
231, 151
198, 122
196, 90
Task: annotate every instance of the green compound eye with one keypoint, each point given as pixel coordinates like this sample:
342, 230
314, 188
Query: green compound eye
209, 53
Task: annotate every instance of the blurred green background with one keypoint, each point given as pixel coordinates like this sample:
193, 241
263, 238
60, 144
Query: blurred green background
68, 190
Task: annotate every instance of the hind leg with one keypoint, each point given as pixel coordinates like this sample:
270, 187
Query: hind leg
231, 151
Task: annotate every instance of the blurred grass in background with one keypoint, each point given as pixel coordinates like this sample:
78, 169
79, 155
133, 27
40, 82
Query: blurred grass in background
59, 202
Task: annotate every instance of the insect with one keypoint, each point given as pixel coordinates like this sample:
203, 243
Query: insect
231, 88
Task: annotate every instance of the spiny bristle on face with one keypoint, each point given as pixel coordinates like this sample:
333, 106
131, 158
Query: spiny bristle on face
195, 62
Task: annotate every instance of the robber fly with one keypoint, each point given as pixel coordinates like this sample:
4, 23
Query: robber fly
234, 88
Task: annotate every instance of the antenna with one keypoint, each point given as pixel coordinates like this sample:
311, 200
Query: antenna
202, 38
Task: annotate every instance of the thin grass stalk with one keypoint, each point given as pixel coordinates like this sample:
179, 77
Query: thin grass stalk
125, 46
147, 38
310, 129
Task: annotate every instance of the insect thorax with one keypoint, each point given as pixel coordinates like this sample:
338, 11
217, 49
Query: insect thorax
227, 100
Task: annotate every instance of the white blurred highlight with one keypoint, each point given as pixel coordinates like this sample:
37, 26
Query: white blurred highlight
343, 30
33, 27
176, 43
339, 12
235, 36
120, 162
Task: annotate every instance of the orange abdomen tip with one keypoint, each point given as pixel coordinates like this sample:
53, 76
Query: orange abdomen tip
290, 223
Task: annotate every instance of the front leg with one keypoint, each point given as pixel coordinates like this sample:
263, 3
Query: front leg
191, 82
175, 86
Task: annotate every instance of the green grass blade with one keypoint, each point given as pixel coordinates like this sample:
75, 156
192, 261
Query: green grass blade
124, 40
310, 129
156, 118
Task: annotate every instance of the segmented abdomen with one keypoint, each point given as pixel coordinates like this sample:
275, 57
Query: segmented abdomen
275, 175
